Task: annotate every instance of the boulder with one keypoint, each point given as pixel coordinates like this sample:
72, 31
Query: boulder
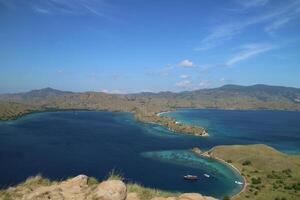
79, 182
111, 190
194, 196
132, 196
164, 198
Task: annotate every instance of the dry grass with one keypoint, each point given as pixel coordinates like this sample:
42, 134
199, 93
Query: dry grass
270, 173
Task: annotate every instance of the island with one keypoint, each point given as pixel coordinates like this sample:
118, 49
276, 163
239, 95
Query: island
171, 124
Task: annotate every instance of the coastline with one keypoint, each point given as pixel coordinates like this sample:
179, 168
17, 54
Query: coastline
171, 124
238, 171
206, 154
163, 112
157, 114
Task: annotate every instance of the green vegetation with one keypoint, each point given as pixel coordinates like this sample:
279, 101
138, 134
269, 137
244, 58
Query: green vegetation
246, 162
269, 173
143, 192
114, 175
148, 193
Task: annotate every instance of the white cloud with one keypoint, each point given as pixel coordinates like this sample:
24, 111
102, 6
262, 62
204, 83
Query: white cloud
252, 3
105, 91
274, 19
277, 24
186, 84
203, 84
41, 10
71, 7
114, 91
219, 35
184, 76
222, 80
190, 85
166, 70
186, 63
249, 51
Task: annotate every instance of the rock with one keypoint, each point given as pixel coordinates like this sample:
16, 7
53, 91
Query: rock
78, 188
79, 181
111, 190
132, 196
197, 150
194, 196
164, 198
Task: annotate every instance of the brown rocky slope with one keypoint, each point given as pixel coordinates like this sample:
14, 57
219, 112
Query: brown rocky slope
84, 188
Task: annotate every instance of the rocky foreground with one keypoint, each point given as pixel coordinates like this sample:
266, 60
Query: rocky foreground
81, 188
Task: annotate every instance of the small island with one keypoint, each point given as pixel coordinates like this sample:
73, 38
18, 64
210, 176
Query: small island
172, 124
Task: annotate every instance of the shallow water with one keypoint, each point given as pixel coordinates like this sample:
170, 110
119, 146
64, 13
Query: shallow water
63, 144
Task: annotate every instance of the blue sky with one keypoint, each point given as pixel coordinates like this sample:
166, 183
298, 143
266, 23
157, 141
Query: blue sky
123, 46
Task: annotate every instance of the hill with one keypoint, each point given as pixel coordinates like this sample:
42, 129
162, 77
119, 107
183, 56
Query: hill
226, 97
270, 174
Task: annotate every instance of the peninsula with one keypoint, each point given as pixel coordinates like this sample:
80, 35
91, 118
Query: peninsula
172, 124
268, 173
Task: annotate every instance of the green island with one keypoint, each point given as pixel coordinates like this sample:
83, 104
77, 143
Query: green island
269, 174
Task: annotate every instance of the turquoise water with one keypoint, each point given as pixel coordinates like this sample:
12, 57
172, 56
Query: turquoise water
217, 171
63, 144
279, 129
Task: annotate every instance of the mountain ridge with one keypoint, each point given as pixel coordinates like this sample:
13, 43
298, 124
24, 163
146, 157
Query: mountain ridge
142, 104
226, 87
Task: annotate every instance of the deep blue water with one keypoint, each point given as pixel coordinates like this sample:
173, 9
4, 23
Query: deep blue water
63, 144
279, 129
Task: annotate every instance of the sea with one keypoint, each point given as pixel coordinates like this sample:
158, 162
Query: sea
63, 144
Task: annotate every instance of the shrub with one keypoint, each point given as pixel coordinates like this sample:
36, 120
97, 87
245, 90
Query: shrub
226, 198
247, 162
256, 180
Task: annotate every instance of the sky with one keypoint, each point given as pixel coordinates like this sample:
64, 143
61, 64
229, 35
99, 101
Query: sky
127, 46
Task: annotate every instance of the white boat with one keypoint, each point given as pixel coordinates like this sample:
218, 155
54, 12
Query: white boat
206, 175
238, 182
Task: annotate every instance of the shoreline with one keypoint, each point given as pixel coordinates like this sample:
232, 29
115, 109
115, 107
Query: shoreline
238, 171
172, 125
163, 112
206, 154
158, 114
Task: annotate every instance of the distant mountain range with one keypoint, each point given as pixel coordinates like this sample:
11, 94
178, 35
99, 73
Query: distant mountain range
225, 97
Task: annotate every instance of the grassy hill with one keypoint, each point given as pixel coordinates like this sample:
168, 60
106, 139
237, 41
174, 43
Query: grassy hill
270, 174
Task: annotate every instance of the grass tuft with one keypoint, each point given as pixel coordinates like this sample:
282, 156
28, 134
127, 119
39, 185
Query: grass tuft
114, 175
92, 181
148, 193
36, 180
